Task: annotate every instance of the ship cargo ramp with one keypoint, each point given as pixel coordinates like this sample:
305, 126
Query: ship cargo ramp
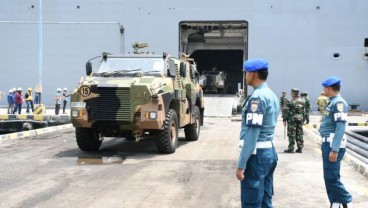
220, 105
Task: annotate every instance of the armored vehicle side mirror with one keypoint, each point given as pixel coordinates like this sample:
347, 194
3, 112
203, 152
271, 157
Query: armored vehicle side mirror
88, 68
182, 69
196, 74
192, 72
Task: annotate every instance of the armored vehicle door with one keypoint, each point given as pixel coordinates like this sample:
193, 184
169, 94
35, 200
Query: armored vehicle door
189, 83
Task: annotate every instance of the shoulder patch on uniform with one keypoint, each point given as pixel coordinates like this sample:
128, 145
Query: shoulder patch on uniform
254, 105
254, 116
340, 106
340, 112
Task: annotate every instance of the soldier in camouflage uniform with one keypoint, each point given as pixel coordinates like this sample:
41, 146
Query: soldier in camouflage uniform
304, 95
283, 103
293, 117
322, 102
283, 100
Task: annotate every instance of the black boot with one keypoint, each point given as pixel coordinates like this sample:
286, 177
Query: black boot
289, 151
299, 150
350, 204
334, 206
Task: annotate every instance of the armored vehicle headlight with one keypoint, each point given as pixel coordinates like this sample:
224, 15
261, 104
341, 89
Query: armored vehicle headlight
151, 115
154, 97
75, 113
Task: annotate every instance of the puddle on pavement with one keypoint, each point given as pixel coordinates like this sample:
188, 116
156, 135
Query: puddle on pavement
99, 160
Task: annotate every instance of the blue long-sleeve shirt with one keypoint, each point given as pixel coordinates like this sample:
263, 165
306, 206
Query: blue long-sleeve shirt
11, 99
259, 117
14, 96
334, 121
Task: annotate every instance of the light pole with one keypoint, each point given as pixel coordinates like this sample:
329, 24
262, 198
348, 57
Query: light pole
40, 47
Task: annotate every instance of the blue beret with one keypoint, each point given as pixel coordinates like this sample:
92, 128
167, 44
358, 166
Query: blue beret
252, 65
331, 81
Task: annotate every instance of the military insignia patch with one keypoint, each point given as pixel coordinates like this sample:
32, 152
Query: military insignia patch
254, 115
254, 105
340, 107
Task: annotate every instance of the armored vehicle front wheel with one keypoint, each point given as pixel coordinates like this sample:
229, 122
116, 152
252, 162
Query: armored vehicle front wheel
87, 139
167, 138
192, 130
129, 136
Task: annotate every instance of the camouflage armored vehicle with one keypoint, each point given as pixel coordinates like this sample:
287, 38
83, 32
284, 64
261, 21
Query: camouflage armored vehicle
213, 81
138, 96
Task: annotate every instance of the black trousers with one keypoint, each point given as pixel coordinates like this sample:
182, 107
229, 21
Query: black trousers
57, 109
65, 102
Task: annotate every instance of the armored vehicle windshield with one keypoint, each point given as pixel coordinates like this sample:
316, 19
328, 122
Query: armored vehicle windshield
142, 65
212, 72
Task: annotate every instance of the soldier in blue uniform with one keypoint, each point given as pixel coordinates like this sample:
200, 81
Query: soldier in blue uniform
333, 147
258, 157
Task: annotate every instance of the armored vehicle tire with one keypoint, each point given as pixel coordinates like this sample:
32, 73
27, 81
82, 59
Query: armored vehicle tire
167, 138
87, 139
192, 130
129, 137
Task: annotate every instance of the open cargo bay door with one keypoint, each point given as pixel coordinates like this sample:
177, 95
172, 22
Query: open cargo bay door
217, 44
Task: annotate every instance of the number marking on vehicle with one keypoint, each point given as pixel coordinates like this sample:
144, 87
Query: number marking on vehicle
85, 91
78, 104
